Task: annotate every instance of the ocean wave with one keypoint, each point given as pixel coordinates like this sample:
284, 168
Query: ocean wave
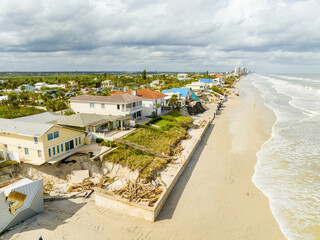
288, 166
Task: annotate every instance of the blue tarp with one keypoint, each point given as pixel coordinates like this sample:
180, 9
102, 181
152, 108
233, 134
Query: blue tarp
194, 96
206, 80
183, 91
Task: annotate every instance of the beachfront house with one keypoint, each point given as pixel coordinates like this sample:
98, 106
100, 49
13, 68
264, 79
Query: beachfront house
212, 82
183, 93
95, 124
197, 86
37, 139
152, 101
119, 105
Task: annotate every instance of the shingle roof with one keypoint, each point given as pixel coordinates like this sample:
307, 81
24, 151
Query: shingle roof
120, 98
85, 119
45, 117
183, 91
24, 128
145, 93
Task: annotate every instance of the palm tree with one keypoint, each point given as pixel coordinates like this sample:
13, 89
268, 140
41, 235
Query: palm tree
6, 103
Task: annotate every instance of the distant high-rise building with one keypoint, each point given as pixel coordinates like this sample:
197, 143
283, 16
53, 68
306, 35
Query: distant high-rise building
243, 70
237, 70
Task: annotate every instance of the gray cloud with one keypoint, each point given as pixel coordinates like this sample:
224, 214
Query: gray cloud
179, 35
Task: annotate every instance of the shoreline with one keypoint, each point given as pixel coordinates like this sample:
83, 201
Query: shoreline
214, 198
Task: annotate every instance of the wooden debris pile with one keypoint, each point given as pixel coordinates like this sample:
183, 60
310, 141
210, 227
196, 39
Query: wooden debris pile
78, 187
87, 184
140, 192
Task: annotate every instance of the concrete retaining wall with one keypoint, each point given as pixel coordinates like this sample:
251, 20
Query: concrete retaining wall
104, 199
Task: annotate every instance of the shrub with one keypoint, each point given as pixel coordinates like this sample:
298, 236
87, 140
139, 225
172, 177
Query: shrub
153, 114
154, 120
108, 143
69, 112
217, 90
99, 140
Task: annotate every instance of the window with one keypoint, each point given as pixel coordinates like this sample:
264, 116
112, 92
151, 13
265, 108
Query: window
118, 106
61, 147
69, 145
58, 149
19, 149
102, 105
35, 140
26, 151
49, 150
54, 151
50, 136
92, 105
80, 140
53, 135
76, 141
39, 154
56, 134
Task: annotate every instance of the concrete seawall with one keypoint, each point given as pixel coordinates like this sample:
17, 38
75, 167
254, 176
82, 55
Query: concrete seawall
104, 199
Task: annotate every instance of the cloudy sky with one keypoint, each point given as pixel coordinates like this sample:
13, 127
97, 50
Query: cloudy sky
169, 35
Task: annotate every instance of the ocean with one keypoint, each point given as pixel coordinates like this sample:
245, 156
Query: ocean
288, 166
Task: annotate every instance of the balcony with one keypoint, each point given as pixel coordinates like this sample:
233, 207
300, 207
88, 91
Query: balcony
132, 109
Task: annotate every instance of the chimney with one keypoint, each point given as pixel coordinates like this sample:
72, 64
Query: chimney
134, 92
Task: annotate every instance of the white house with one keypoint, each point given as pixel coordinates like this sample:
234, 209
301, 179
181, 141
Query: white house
182, 76
39, 85
183, 93
120, 105
106, 84
152, 101
156, 83
197, 86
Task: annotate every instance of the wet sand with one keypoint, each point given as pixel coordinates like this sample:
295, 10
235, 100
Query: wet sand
215, 197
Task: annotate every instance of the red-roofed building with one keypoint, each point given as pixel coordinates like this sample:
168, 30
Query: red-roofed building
152, 101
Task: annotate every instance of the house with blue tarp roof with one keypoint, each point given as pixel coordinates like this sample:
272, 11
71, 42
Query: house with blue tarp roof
183, 94
206, 80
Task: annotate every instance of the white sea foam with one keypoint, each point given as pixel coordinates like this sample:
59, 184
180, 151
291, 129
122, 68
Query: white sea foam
288, 164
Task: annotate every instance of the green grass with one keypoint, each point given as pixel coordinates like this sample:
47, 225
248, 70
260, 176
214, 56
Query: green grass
130, 157
217, 90
21, 112
164, 124
8, 163
145, 163
174, 113
176, 116
157, 140
160, 140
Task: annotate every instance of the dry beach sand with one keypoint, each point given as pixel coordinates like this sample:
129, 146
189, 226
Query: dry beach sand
215, 197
